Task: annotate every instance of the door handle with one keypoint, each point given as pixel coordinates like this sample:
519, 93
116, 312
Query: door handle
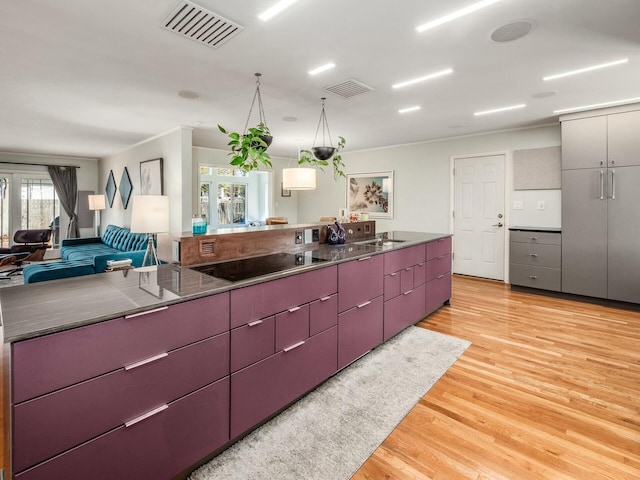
613, 185
601, 185
498, 225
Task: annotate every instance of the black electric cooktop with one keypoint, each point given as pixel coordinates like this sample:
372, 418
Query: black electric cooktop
243, 269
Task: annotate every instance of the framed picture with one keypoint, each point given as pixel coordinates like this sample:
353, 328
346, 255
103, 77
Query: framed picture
285, 193
151, 177
110, 189
125, 188
371, 193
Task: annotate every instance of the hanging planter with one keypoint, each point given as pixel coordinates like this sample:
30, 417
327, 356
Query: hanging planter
319, 156
249, 149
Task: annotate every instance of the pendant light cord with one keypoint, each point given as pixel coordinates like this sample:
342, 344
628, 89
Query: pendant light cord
257, 95
325, 124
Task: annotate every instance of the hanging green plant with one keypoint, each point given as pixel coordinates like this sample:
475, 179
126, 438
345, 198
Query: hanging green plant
307, 157
249, 149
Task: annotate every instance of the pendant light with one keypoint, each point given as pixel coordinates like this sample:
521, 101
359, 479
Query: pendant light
300, 178
323, 152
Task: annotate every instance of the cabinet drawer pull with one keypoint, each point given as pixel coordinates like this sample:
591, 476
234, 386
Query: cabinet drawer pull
295, 345
324, 299
145, 361
441, 240
533, 254
147, 312
441, 257
533, 277
393, 274
441, 276
294, 309
408, 269
533, 238
364, 258
364, 304
253, 324
408, 292
146, 415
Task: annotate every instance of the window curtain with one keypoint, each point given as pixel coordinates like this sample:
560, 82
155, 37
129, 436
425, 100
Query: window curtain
66, 184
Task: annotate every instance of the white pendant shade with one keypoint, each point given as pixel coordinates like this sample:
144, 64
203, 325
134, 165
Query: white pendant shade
299, 178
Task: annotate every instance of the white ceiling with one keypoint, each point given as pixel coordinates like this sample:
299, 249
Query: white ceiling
92, 77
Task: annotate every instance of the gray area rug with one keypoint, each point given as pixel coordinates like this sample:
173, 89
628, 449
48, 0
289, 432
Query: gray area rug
331, 432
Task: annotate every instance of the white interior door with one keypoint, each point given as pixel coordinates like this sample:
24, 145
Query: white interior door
478, 240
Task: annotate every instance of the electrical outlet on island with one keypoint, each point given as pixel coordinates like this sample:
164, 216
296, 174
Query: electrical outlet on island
298, 237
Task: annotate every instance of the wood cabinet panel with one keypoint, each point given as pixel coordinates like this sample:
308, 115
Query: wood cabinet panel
403, 258
536, 254
159, 446
547, 238
623, 139
292, 326
403, 311
438, 292
323, 314
536, 277
359, 330
359, 281
584, 143
50, 362
438, 248
438, 266
253, 342
391, 285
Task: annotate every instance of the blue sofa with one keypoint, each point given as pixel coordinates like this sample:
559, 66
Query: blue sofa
116, 243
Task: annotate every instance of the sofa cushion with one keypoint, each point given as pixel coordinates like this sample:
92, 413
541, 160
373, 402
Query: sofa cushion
122, 239
40, 272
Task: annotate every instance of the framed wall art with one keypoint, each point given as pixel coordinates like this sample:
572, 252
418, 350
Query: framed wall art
370, 193
110, 189
151, 177
125, 188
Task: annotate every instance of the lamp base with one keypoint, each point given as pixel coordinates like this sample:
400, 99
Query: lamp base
151, 254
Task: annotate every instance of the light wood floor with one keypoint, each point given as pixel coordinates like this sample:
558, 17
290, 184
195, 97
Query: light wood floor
549, 389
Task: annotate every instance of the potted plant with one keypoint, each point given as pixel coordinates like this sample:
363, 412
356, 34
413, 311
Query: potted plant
310, 157
249, 150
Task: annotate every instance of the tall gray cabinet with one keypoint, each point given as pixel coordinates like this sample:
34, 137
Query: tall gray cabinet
601, 205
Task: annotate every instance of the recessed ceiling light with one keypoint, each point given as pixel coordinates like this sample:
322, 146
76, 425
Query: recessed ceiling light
276, 9
511, 31
586, 69
457, 14
422, 79
545, 94
188, 94
597, 105
409, 109
322, 68
457, 125
498, 110
290, 119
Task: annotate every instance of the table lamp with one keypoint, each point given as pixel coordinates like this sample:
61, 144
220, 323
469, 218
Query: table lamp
97, 203
150, 215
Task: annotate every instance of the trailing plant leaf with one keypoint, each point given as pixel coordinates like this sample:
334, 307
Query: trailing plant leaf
307, 157
248, 151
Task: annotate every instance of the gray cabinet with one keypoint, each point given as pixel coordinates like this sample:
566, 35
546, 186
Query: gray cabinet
534, 259
600, 217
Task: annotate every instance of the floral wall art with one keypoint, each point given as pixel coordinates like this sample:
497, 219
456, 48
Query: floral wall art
371, 193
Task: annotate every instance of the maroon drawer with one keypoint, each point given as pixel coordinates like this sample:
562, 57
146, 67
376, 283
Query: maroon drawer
323, 314
420, 274
391, 285
438, 248
47, 363
406, 280
403, 311
404, 258
55, 422
438, 266
267, 386
292, 326
438, 292
265, 299
253, 342
359, 330
359, 281
160, 446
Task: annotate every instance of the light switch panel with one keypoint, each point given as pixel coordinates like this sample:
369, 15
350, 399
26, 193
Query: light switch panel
517, 205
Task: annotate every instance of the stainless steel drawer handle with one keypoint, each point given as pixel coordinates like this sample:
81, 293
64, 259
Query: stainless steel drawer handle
408, 269
441, 257
295, 345
533, 254
393, 274
408, 292
294, 309
601, 184
363, 259
364, 304
533, 238
253, 324
133, 315
533, 277
145, 361
324, 299
146, 415
441, 276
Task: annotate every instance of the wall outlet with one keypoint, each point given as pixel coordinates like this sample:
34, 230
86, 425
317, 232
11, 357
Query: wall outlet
298, 236
518, 205
175, 251
315, 235
541, 205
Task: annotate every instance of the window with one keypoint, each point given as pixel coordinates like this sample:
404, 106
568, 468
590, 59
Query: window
232, 205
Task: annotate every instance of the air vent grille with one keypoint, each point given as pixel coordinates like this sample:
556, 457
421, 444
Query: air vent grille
201, 25
348, 88
207, 247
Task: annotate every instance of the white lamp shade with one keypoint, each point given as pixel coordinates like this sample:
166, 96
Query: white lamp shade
299, 178
97, 202
150, 214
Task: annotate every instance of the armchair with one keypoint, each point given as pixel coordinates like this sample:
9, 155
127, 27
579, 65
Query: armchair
30, 245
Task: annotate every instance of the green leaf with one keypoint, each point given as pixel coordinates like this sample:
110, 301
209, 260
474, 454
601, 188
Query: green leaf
234, 135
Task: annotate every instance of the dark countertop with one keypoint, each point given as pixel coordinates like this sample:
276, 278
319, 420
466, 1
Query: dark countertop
536, 229
32, 310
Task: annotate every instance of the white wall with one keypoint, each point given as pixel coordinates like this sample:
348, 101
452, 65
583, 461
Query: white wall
87, 176
175, 149
422, 181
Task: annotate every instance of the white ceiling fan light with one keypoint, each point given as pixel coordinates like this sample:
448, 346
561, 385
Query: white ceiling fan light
431, 76
499, 110
586, 69
454, 15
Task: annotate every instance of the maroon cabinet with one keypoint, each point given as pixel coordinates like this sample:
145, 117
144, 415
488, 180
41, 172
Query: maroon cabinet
323, 314
438, 292
252, 342
264, 388
360, 329
171, 438
403, 310
359, 281
438, 274
292, 326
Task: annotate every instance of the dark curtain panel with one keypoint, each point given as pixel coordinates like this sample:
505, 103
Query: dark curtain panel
66, 184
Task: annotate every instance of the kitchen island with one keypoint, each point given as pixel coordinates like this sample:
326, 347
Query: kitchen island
175, 364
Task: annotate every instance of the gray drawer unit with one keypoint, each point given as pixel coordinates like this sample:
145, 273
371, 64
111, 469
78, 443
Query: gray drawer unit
535, 259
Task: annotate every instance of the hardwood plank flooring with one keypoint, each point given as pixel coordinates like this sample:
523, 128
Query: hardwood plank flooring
549, 389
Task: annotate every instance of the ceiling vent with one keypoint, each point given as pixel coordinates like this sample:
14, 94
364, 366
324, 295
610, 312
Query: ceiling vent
348, 88
201, 25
